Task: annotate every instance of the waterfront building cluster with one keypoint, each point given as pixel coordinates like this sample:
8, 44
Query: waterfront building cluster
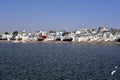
100, 34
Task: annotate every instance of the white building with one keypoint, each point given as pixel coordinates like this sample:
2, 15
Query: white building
107, 36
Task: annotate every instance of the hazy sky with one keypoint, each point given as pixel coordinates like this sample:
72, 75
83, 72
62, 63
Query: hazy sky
34, 15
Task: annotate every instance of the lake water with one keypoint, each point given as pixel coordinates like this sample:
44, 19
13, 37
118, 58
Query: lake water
40, 61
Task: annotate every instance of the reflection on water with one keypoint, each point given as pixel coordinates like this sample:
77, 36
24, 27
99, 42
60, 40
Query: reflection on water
58, 61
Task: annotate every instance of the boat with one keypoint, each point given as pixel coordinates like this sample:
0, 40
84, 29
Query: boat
40, 39
58, 39
67, 39
118, 40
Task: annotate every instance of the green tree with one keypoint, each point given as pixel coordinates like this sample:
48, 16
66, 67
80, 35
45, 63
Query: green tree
65, 33
6, 33
15, 33
0, 35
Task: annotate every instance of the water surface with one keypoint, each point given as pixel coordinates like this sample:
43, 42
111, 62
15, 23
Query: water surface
39, 61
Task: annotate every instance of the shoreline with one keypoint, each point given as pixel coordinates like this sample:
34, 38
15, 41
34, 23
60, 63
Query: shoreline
65, 42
